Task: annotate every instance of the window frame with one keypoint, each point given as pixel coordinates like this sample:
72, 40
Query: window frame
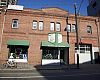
36, 23
89, 29
68, 29
17, 23
84, 48
57, 27
50, 54
41, 28
53, 26
94, 4
73, 29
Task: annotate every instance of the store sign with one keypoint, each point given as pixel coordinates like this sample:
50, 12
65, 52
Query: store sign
51, 38
15, 7
59, 38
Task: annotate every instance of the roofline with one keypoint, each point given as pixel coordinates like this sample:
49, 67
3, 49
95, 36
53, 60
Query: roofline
53, 7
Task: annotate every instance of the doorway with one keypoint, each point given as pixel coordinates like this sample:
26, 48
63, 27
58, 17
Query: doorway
52, 56
96, 57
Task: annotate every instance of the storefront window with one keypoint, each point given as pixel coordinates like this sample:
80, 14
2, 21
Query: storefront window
50, 54
83, 48
18, 52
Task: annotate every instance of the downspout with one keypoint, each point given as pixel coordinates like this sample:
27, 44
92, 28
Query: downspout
99, 37
3, 24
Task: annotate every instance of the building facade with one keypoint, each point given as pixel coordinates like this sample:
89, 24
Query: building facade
93, 8
5, 3
47, 36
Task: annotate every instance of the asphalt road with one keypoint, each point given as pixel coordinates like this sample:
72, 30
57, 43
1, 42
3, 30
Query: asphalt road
50, 75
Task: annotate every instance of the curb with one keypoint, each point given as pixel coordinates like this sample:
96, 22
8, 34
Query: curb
16, 69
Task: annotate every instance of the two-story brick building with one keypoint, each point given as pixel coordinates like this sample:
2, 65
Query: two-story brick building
41, 37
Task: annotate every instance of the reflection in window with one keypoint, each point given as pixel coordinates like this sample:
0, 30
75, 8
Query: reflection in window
68, 27
84, 48
34, 24
57, 26
40, 25
15, 23
89, 29
50, 54
18, 52
94, 4
52, 26
73, 28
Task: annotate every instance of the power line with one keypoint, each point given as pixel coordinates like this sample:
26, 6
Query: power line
80, 6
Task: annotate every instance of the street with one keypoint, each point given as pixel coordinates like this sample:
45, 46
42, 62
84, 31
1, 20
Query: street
75, 74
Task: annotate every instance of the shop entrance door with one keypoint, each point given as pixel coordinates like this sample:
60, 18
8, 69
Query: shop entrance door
62, 57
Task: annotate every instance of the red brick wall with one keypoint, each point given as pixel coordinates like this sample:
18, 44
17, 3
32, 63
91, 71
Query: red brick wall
25, 32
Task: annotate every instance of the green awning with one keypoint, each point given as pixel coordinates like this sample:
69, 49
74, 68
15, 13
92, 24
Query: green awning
49, 44
18, 42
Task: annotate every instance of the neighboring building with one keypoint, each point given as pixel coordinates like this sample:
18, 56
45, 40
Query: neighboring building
40, 37
7, 2
93, 8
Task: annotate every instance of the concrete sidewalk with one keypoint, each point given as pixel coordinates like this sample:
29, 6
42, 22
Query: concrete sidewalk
62, 67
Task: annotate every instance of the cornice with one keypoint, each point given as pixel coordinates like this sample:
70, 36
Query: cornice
90, 18
37, 12
34, 12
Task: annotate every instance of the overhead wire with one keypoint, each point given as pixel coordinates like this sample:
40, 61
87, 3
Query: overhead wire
80, 6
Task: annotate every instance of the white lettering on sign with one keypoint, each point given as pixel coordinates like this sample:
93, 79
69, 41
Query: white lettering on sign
15, 7
51, 38
59, 38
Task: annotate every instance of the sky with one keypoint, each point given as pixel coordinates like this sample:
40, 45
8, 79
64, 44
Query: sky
63, 4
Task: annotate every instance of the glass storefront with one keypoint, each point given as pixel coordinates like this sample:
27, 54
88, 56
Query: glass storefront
50, 54
18, 53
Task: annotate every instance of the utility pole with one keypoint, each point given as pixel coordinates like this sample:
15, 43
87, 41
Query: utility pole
77, 42
67, 33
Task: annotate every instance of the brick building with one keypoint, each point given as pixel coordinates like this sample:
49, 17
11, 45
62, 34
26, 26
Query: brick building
93, 8
41, 37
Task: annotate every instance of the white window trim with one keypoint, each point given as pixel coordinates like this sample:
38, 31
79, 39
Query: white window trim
52, 26
85, 47
89, 28
34, 21
41, 25
13, 23
73, 29
58, 26
68, 27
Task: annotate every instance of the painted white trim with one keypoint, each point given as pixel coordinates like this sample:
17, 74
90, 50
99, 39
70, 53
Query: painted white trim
19, 60
50, 61
86, 57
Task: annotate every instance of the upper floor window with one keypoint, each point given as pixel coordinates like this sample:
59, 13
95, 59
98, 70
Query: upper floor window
57, 26
34, 24
40, 25
94, 4
68, 27
52, 26
84, 48
89, 29
73, 28
15, 23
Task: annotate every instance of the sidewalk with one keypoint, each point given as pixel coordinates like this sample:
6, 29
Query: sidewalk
86, 71
88, 67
